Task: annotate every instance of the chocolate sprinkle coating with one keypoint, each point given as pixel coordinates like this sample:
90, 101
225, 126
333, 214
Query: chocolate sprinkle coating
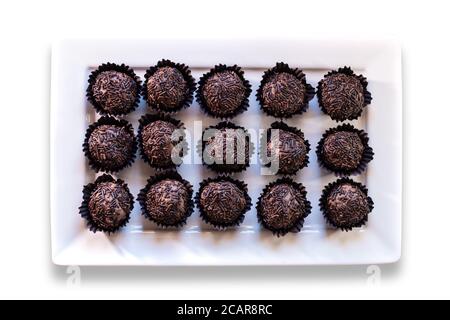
115, 92
290, 149
345, 204
224, 92
167, 88
343, 150
110, 205
342, 94
157, 142
216, 148
111, 146
107, 204
167, 202
283, 93
222, 202
283, 206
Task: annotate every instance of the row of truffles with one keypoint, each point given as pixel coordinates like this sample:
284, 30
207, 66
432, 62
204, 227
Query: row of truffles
223, 92
111, 145
167, 200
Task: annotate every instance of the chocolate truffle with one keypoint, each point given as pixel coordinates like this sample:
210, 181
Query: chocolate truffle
167, 200
224, 92
107, 204
159, 142
223, 201
114, 89
286, 149
343, 95
110, 144
345, 204
169, 86
226, 148
282, 206
284, 92
344, 150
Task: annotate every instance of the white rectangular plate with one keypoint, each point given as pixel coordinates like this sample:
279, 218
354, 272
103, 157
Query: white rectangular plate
142, 243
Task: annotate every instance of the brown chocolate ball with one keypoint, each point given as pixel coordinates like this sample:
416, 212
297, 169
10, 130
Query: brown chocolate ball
283, 94
167, 88
157, 142
342, 150
289, 150
283, 207
167, 202
347, 205
115, 92
227, 149
341, 96
110, 205
111, 147
224, 92
222, 203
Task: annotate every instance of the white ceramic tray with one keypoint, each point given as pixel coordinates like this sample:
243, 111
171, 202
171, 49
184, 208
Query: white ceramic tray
142, 243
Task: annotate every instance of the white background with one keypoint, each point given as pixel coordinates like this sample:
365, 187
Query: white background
27, 29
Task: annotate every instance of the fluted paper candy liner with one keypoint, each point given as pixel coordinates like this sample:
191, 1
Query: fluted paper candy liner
190, 82
220, 68
223, 167
149, 118
298, 225
347, 71
323, 202
84, 208
367, 156
173, 175
266, 138
108, 120
241, 186
119, 68
282, 67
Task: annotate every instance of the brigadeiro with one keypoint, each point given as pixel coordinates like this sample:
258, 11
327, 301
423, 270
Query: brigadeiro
107, 204
284, 149
346, 204
110, 144
114, 89
283, 206
162, 141
223, 201
284, 91
226, 147
168, 86
342, 94
344, 150
167, 199
223, 92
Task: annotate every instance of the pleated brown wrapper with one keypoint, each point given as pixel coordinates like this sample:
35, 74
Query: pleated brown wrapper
296, 227
282, 67
190, 82
84, 208
149, 118
347, 71
173, 175
108, 120
226, 168
367, 156
240, 184
265, 138
323, 202
220, 68
119, 68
